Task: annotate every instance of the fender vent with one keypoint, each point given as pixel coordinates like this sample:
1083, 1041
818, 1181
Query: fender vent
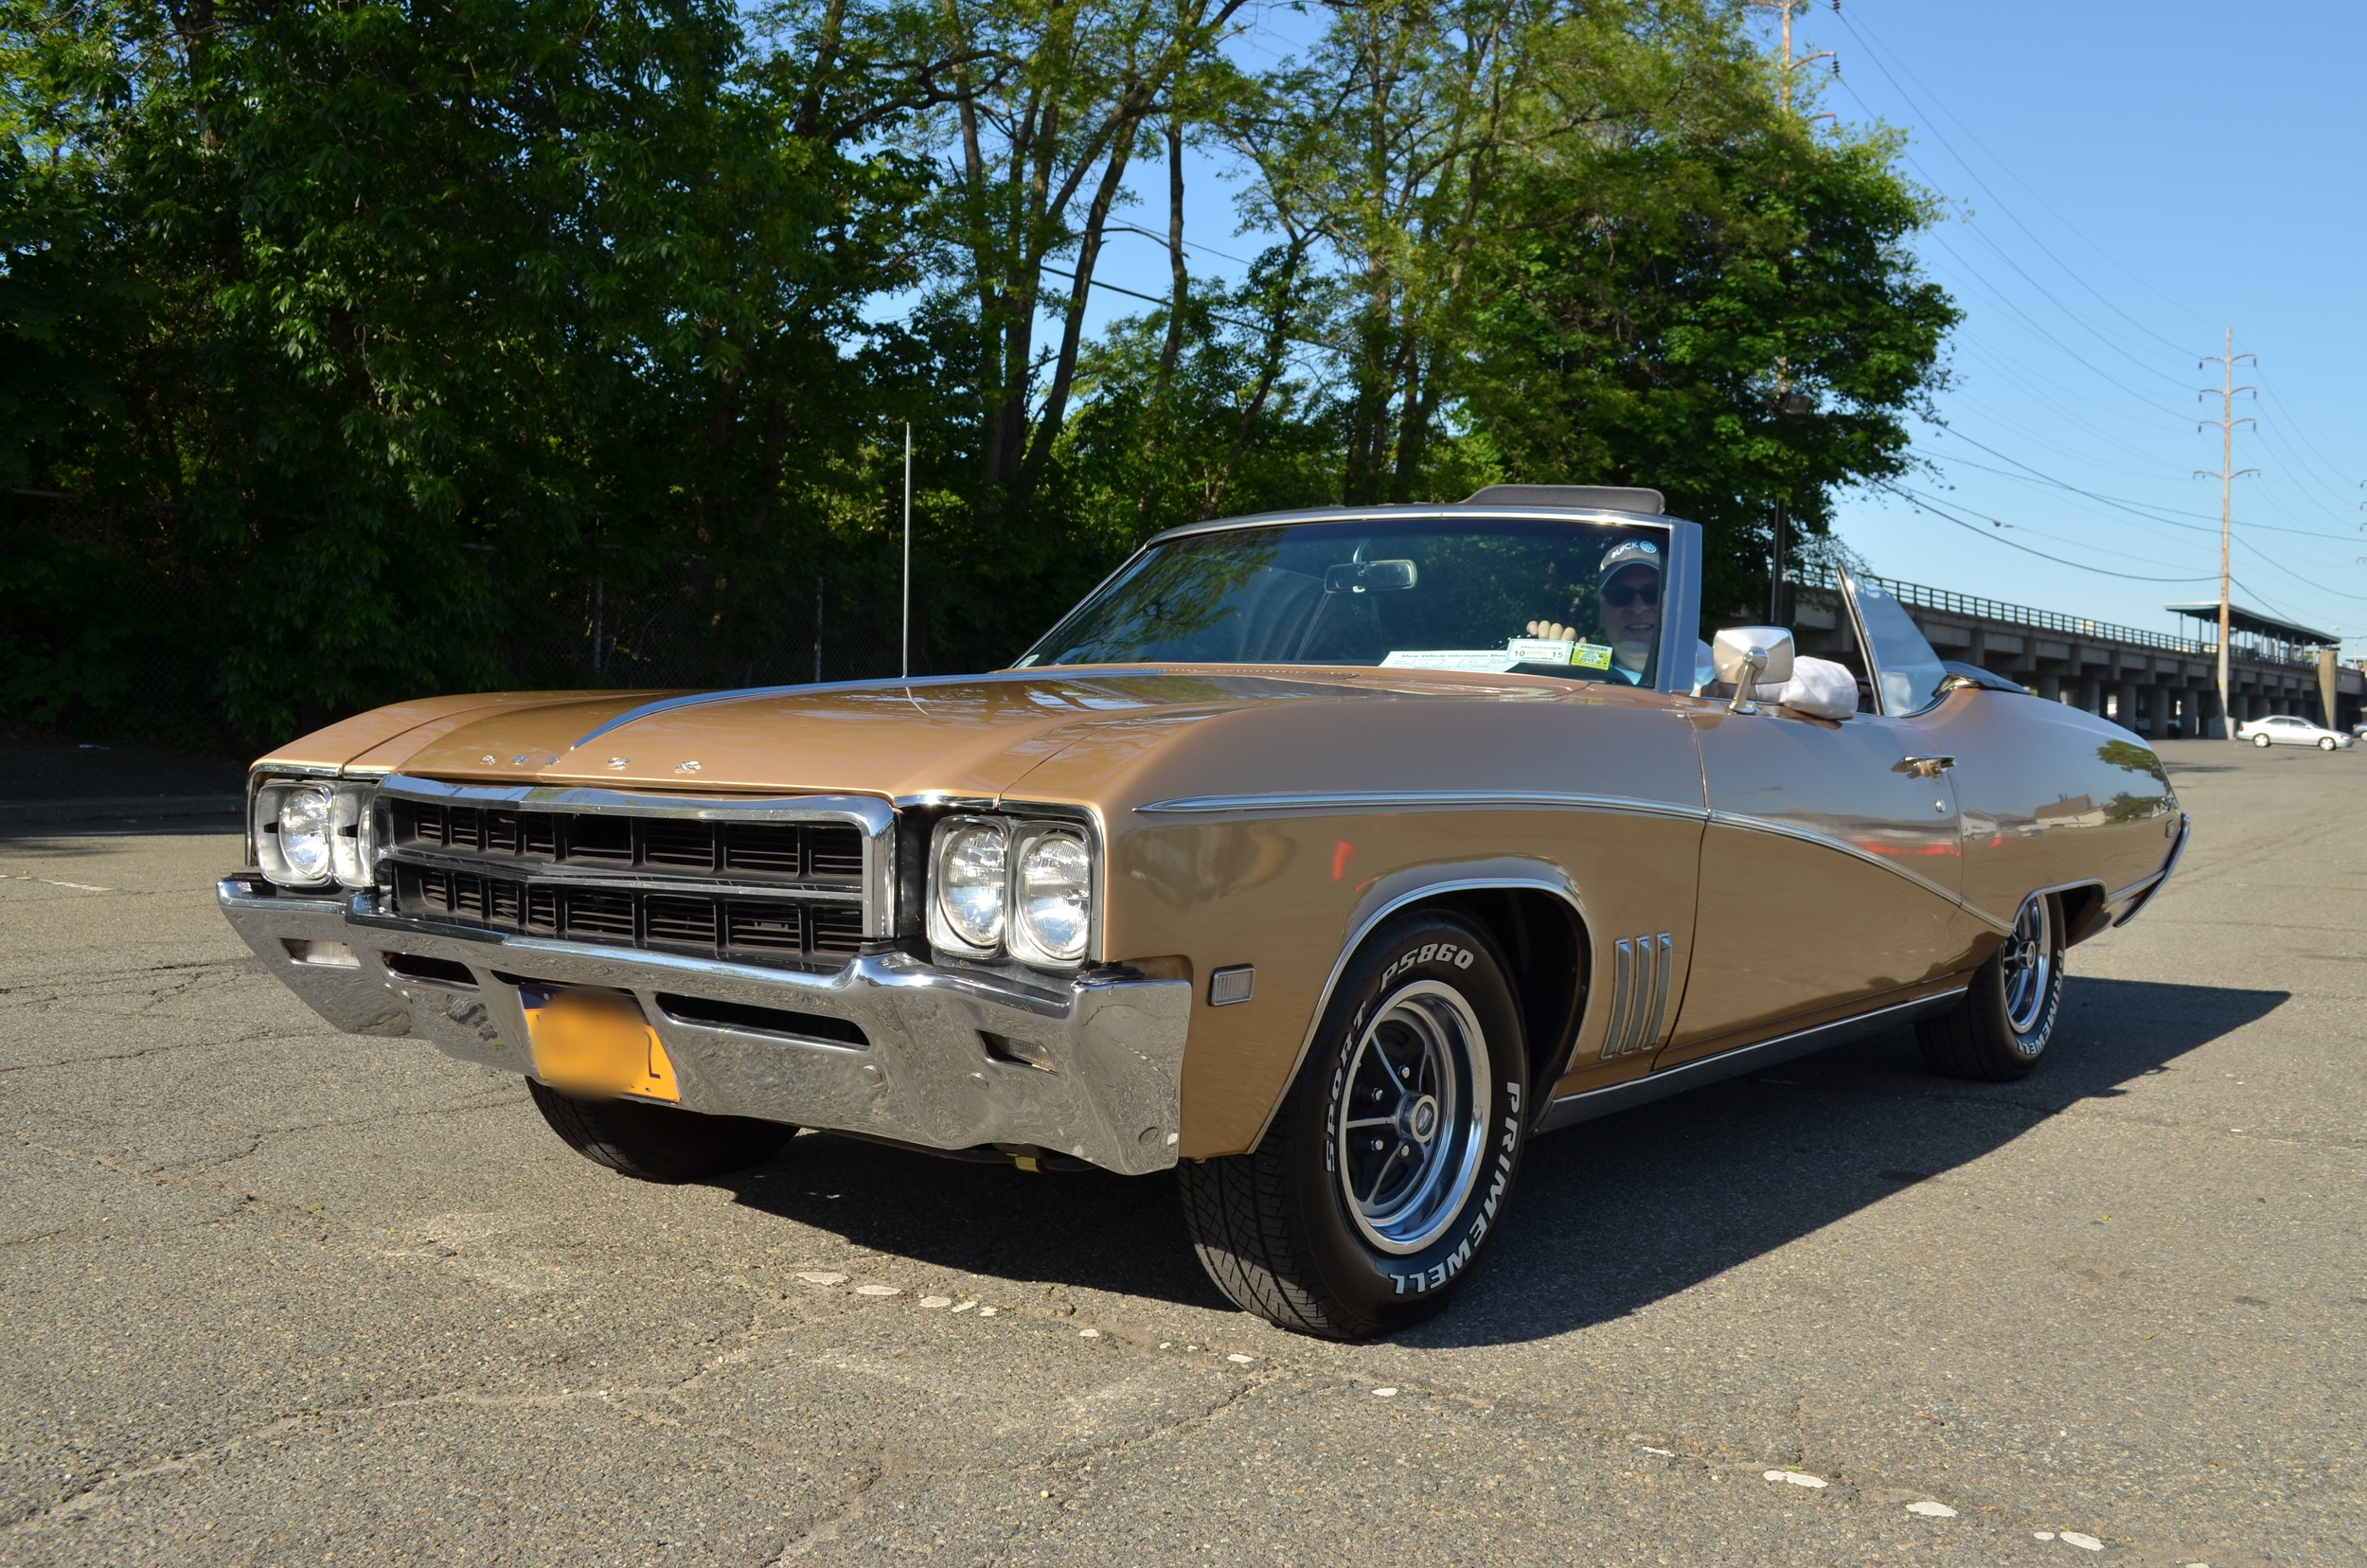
1639, 993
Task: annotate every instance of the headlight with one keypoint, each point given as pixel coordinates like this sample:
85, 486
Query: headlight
1054, 901
967, 908
313, 835
304, 834
999, 887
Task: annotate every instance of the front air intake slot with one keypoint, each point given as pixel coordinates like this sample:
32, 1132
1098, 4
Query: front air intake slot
780, 1020
438, 971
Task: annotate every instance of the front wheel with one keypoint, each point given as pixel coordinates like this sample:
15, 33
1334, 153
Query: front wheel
2325, 743
1389, 1162
2260, 741
657, 1143
2007, 1018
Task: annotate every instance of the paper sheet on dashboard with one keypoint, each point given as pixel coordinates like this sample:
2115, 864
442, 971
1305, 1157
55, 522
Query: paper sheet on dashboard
1491, 661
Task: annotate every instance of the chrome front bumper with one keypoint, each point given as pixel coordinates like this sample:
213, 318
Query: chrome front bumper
1092, 1069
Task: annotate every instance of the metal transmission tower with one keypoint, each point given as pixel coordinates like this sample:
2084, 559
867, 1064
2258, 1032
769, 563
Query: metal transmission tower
2227, 473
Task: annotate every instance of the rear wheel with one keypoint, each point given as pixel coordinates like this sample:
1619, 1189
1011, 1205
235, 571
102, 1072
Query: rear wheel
2260, 741
1387, 1167
657, 1143
2007, 1018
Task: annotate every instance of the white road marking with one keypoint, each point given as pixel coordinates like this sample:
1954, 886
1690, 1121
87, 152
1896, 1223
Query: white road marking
823, 1277
1931, 1510
2085, 1542
1384, 1392
964, 1306
877, 1290
1089, 1333
79, 888
988, 1312
2042, 1535
1242, 1359
936, 1301
1665, 1453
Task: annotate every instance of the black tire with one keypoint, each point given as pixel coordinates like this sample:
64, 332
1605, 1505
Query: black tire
1283, 1230
2006, 1021
657, 1143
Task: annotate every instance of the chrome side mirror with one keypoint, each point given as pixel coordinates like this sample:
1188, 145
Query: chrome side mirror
1747, 656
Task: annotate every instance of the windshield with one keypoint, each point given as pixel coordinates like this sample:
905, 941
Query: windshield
1909, 672
1539, 596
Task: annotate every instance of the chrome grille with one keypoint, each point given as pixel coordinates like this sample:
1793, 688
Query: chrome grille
767, 892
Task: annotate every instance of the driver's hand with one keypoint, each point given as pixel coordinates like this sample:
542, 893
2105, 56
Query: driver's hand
1552, 632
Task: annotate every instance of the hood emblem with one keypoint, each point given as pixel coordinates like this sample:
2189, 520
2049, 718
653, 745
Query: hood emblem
489, 759
685, 767
618, 762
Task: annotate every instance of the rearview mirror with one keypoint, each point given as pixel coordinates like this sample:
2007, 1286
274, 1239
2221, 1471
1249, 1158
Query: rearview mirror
1747, 656
1369, 576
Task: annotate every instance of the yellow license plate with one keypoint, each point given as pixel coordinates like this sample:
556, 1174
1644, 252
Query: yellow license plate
596, 1045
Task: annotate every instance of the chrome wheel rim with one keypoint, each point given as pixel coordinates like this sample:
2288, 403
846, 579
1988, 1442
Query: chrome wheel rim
1413, 1124
2028, 965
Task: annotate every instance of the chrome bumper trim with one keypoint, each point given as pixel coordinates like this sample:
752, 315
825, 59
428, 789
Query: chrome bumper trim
1094, 1070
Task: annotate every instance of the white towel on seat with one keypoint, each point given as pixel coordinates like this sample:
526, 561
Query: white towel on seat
1818, 687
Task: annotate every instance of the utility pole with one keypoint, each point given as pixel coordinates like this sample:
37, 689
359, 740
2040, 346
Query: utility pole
2227, 474
1786, 62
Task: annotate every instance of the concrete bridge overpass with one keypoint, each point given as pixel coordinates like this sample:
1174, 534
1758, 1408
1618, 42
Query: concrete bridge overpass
2153, 682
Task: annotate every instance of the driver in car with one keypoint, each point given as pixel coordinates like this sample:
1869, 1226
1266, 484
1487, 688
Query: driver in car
1626, 605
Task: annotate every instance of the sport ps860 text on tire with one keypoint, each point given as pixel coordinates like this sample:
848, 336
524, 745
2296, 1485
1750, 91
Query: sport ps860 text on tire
1389, 1163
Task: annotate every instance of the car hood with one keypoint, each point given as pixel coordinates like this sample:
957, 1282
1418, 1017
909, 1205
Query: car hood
965, 737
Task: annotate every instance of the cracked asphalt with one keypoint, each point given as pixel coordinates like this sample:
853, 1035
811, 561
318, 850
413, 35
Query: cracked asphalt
276, 1294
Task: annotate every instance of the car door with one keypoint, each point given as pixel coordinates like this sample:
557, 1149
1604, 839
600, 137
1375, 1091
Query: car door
1831, 865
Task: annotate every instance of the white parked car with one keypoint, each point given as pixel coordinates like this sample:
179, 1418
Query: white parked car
2286, 729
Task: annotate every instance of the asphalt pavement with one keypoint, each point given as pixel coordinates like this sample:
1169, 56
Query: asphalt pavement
276, 1294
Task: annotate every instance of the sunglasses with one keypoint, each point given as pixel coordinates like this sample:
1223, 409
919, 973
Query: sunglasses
1619, 598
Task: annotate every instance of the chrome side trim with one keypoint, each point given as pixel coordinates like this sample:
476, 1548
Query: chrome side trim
1651, 1040
1622, 995
1586, 1105
1636, 1012
1372, 923
1351, 800
1825, 841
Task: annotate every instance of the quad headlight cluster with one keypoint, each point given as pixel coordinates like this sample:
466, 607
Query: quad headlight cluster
315, 833
999, 886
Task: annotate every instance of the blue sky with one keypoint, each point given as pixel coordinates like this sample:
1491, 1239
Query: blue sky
2123, 182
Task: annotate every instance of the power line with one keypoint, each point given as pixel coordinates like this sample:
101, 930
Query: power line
1877, 51
1913, 500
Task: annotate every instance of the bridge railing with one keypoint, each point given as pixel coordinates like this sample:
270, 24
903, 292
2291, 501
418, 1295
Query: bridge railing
1950, 601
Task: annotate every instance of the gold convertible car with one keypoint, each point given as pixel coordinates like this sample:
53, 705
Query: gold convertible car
1326, 857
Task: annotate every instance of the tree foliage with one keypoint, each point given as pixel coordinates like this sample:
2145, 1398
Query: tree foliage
358, 350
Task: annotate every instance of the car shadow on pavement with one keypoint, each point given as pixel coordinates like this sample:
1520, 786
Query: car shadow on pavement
1610, 1215
1617, 1214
